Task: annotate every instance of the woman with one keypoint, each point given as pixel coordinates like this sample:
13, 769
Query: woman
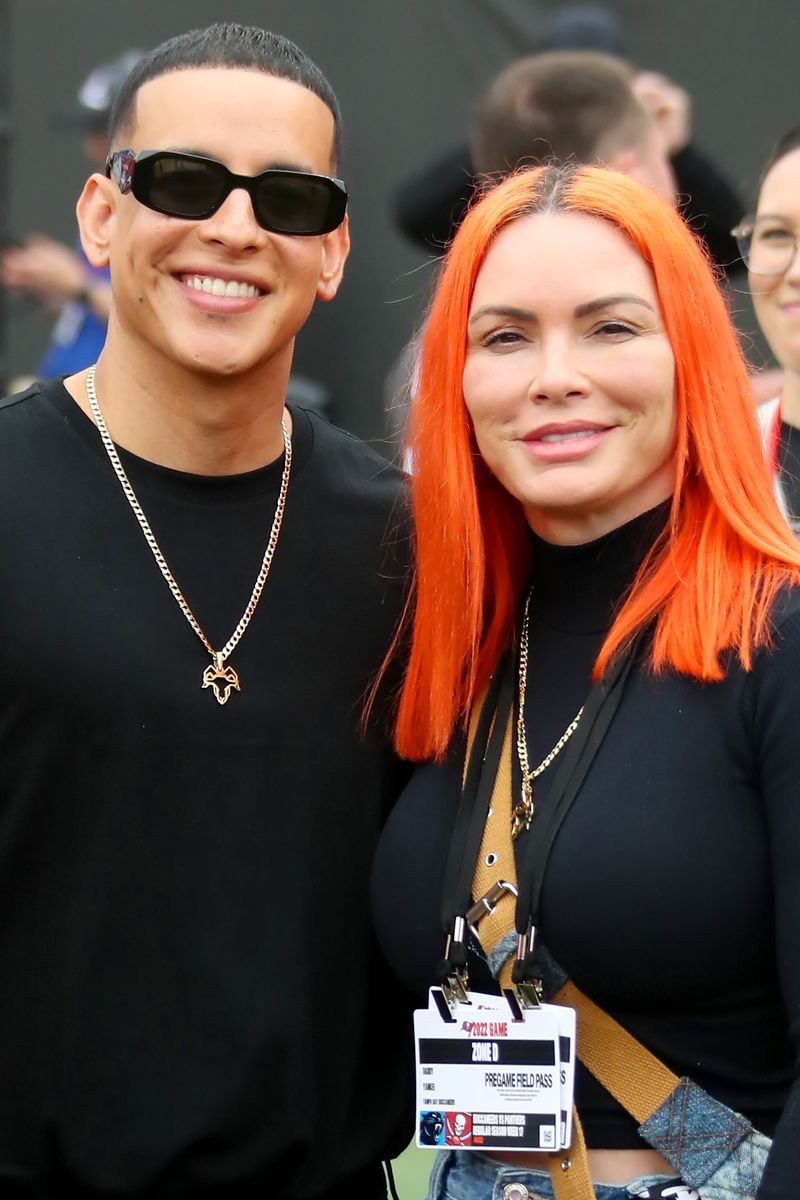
768, 245
588, 477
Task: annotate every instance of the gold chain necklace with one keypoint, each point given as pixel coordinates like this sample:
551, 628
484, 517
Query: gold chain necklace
220, 678
522, 815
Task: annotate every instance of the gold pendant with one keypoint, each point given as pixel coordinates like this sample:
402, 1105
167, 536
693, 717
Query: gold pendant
522, 815
217, 671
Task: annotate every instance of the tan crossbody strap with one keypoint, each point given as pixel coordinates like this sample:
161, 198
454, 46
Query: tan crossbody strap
635, 1078
623, 1066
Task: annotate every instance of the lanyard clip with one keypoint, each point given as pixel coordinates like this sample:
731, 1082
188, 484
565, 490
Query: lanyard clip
487, 903
453, 973
453, 967
527, 984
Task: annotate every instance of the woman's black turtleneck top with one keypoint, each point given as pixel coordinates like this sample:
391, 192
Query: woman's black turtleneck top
672, 892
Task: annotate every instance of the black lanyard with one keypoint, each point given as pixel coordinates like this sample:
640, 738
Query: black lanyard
578, 755
476, 793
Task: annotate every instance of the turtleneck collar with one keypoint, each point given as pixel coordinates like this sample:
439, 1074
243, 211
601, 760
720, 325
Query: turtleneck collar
577, 588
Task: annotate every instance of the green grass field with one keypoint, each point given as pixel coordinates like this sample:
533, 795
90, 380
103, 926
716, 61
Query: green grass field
411, 1171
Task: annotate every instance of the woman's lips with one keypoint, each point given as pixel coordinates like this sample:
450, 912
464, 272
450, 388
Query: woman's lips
564, 443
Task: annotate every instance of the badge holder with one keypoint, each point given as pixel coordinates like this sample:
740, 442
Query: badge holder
493, 1072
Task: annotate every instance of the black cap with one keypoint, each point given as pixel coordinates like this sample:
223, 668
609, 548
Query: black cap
96, 95
582, 27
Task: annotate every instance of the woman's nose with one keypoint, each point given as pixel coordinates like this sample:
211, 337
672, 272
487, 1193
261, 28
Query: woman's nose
558, 375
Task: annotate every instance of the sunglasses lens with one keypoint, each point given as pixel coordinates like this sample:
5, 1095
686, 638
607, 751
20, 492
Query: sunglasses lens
299, 204
182, 185
179, 186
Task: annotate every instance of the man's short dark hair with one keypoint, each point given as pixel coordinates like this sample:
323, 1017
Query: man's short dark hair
563, 106
226, 44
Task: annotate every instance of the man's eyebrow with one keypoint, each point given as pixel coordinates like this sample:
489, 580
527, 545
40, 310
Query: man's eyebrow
281, 165
276, 165
583, 310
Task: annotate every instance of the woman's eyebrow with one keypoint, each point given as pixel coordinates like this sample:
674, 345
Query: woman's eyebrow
503, 310
768, 216
583, 310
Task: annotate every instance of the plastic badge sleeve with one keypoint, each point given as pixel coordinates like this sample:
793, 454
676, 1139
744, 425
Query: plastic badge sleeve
487, 1082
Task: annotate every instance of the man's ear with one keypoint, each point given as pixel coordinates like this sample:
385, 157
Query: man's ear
624, 161
335, 248
95, 212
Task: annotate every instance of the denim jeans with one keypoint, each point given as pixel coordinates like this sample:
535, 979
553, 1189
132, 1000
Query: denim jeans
470, 1175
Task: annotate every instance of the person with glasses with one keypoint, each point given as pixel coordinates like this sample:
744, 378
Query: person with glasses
198, 584
768, 245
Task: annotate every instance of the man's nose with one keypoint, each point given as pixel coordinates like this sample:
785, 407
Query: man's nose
234, 222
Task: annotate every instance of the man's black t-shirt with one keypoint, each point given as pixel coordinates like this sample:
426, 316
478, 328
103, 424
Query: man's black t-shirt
191, 1002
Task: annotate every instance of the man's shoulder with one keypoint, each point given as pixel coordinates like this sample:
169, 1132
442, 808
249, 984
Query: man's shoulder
349, 462
21, 404
24, 416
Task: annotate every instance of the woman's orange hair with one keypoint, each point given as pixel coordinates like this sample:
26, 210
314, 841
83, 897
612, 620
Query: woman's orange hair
708, 584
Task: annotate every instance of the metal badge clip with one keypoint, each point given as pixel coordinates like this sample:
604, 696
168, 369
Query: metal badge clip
453, 967
527, 987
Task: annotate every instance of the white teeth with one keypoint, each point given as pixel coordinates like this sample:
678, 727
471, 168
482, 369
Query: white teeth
220, 287
568, 437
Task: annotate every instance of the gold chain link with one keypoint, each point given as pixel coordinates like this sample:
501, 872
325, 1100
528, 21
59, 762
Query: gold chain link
523, 811
219, 656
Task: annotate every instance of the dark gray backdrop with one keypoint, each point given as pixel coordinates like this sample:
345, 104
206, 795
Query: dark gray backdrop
407, 73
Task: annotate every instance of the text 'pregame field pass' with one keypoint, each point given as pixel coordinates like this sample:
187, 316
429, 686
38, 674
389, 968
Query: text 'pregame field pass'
485, 1081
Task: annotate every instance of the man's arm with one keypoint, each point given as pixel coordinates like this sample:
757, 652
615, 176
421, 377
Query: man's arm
705, 197
429, 207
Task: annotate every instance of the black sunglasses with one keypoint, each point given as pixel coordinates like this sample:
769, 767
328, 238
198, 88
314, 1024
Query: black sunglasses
192, 187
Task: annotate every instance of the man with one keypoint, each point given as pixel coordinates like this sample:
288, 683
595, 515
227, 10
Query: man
576, 105
570, 105
589, 107
430, 205
192, 614
594, 108
58, 276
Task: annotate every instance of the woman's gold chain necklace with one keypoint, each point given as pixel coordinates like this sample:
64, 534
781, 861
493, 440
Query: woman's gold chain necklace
220, 678
522, 815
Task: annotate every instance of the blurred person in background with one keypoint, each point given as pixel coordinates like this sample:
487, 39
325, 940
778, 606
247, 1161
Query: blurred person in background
570, 106
577, 106
60, 277
430, 205
768, 244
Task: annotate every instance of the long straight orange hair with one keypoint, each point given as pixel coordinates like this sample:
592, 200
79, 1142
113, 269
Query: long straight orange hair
708, 584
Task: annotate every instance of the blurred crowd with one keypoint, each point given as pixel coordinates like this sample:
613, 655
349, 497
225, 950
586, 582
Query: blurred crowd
578, 98
218, 916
